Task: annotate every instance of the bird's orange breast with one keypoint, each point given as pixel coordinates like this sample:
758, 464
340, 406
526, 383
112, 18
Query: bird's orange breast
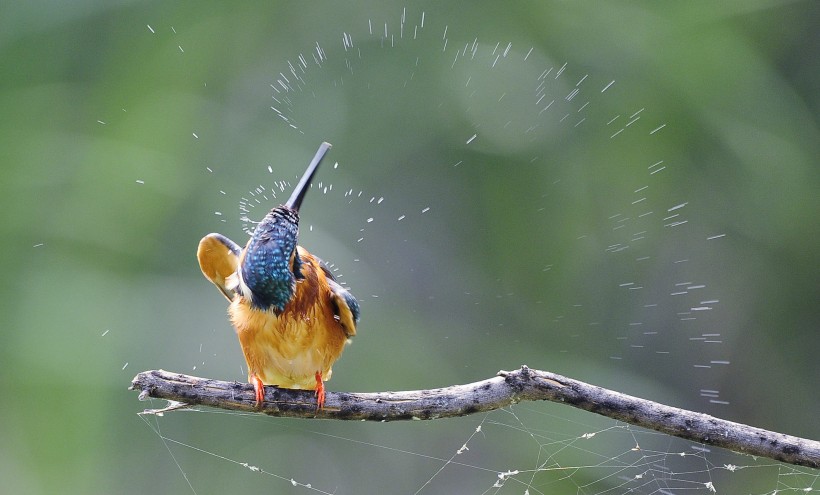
288, 349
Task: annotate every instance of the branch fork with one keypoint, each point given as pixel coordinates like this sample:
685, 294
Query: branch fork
504, 389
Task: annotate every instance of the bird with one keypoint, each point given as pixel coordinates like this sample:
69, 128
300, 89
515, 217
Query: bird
292, 317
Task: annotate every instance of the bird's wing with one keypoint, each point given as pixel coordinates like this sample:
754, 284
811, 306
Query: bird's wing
218, 259
346, 308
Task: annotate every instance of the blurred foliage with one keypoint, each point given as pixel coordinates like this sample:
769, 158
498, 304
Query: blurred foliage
130, 129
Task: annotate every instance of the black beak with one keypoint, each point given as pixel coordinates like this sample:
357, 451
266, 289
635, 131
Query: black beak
298, 195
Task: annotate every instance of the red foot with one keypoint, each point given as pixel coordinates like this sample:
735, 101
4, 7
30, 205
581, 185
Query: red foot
320, 391
258, 390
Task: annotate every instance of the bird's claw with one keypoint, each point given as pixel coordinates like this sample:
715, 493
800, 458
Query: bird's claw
258, 390
320, 392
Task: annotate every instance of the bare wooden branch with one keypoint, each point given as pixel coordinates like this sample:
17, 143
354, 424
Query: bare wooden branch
507, 388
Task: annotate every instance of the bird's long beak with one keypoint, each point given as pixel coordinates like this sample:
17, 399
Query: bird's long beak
298, 195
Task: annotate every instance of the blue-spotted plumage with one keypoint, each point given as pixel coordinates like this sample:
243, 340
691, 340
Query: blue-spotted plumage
270, 267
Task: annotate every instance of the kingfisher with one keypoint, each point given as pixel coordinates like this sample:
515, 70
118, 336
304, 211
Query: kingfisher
292, 317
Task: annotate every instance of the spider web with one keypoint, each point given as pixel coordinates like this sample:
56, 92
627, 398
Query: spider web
546, 120
524, 449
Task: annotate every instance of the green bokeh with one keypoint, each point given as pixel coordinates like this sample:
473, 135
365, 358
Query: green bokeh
118, 145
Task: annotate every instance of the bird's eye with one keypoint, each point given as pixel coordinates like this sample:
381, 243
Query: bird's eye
295, 265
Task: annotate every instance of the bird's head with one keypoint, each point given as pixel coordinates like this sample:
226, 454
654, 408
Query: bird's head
270, 265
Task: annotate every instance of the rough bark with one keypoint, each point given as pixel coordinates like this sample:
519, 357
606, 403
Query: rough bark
505, 389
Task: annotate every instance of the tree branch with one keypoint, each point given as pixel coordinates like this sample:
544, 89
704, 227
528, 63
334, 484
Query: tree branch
509, 387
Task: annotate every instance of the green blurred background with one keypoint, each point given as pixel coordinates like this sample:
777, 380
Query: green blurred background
131, 129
